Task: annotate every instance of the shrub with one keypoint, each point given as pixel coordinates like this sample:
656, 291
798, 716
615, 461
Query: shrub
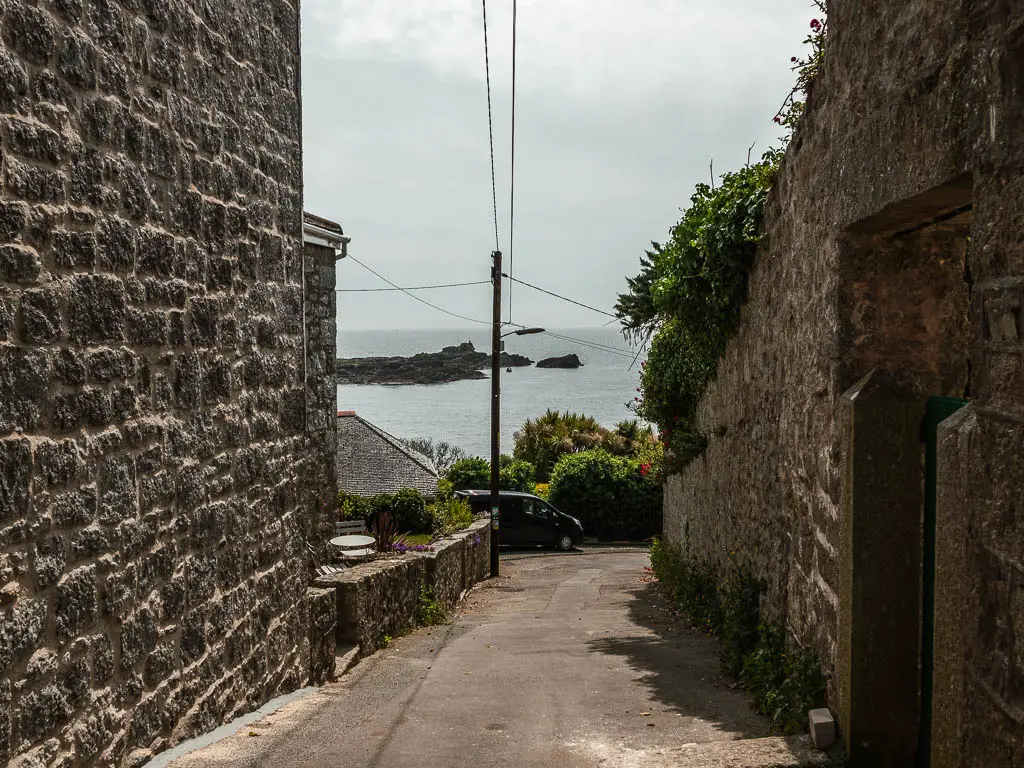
608, 494
352, 507
517, 475
470, 474
450, 516
407, 510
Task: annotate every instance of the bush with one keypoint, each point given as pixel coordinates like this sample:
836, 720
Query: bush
450, 516
608, 494
470, 474
517, 475
407, 510
351, 507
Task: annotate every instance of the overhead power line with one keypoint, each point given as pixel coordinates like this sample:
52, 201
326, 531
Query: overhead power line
414, 296
558, 296
490, 128
593, 345
410, 288
512, 172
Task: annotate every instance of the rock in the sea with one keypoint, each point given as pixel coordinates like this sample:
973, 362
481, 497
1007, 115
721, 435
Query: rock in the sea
455, 363
566, 361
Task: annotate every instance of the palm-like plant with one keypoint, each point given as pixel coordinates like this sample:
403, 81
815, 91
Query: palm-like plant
542, 441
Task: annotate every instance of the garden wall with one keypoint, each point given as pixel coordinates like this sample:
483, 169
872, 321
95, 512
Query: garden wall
154, 393
913, 142
382, 597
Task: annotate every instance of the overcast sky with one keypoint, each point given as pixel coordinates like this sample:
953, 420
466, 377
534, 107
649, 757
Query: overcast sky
620, 107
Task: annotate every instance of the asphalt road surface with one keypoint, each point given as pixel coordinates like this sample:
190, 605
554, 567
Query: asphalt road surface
564, 661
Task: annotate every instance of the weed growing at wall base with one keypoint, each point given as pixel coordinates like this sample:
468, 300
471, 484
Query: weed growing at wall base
783, 685
430, 612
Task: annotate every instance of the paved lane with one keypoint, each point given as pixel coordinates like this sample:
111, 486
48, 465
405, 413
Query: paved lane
564, 661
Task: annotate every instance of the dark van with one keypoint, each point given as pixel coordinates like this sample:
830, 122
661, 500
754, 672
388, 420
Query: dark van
527, 520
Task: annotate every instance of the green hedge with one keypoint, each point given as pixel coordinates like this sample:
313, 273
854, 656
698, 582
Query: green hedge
407, 508
475, 474
610, 495
469, 474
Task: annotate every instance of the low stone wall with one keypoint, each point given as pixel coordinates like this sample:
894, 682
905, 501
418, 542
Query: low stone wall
381, 598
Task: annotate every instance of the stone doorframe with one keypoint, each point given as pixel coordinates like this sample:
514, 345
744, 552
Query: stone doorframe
904, 304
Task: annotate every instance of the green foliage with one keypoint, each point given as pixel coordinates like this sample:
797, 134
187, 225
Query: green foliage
608, 494
690, 584
741, 618
470, 474
687, 296
695, 285
406, 509
784, 686
475, 474
352, 507
517, 475
542, 441
430, 612
409, 510
450, 515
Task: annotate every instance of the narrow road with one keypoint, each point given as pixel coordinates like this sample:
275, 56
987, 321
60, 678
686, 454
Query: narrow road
563, 661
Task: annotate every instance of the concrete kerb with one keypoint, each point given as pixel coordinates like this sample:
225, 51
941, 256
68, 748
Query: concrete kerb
166, 758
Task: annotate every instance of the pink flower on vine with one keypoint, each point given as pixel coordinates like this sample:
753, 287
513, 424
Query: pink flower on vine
815, 25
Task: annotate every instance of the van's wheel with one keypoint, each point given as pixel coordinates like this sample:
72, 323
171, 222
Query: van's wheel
564, 543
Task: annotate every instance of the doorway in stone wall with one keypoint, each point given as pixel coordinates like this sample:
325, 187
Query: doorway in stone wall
905, 305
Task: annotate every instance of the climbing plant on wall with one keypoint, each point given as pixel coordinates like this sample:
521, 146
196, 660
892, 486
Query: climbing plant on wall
686, 299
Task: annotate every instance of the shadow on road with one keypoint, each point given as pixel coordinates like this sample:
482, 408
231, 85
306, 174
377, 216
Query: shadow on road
680, 667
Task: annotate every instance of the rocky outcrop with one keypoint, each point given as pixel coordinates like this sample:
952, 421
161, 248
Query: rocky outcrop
566, 361
455, 363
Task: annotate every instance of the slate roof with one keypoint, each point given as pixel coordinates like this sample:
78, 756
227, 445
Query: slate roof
371, 461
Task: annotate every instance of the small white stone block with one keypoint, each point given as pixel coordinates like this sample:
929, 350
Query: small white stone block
823, 728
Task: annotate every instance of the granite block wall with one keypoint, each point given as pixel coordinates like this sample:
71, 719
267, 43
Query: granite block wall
893, 243
155, 402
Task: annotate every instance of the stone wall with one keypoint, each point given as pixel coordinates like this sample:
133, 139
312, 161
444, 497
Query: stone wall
154, 459
913, 140
381, 598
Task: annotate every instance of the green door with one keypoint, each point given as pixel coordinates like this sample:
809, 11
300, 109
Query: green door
938, 409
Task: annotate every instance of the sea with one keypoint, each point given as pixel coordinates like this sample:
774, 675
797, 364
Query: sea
459, 412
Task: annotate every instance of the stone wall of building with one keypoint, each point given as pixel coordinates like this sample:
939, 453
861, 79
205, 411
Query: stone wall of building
913, 140
154, 459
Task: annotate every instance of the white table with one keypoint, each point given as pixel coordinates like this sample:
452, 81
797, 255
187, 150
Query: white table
353, 545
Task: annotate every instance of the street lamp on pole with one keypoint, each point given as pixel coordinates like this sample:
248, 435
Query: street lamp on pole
496, 337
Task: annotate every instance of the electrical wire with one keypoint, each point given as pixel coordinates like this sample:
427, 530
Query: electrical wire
512, 183
414, 296
490, 128
557, 296
410, 288
592, 345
